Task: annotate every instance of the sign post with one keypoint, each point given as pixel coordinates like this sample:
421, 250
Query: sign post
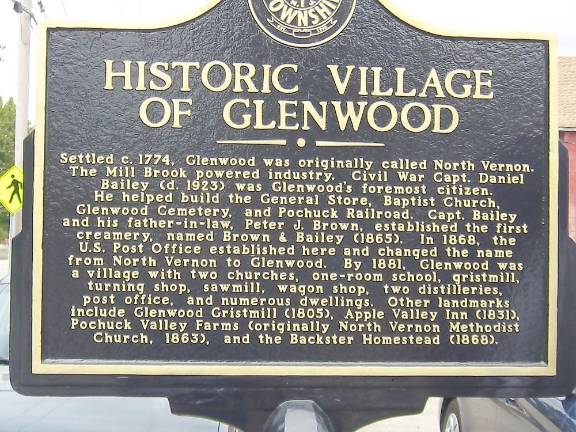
330, 202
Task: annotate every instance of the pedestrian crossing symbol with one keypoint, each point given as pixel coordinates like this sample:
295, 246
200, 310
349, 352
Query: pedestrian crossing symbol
12, 189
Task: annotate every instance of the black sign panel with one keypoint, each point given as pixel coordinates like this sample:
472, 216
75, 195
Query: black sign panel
302, 189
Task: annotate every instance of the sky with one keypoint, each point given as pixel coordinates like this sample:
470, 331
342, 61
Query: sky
551, 16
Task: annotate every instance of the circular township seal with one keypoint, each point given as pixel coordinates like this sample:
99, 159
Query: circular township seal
302, 23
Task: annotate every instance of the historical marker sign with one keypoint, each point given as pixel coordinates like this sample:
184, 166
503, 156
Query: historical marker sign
277, 188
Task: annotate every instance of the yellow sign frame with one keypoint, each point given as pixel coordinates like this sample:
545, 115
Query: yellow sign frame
87, 367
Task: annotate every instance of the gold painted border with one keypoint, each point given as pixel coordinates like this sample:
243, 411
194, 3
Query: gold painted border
289, 369
38, 200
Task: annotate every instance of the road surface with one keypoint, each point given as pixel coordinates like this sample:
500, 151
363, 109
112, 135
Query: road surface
428, 421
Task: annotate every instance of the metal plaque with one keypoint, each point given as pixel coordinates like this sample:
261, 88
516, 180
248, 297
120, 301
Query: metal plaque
290, 193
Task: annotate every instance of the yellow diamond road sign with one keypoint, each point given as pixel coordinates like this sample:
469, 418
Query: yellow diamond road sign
12, 189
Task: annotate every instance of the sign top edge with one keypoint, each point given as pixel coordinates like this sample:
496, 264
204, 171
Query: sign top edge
408, 20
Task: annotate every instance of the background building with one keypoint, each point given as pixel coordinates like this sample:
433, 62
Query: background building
567, 125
